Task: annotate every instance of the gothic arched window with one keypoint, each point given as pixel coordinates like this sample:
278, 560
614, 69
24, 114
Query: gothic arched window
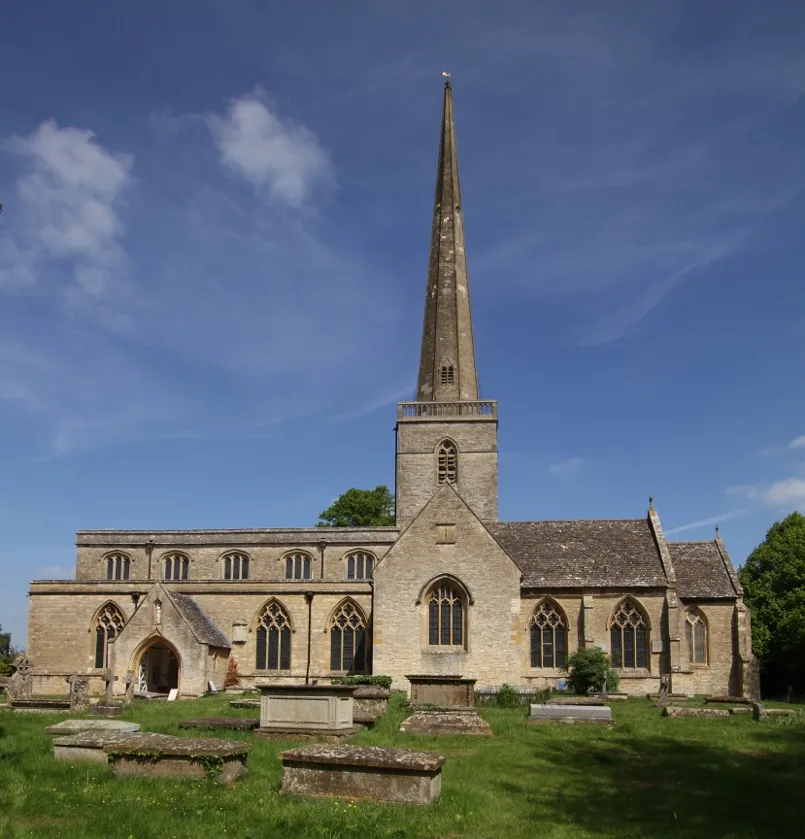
448, 374
236, 566
297, 566
117, 566
447, 462
273, 638
360, 565
176, 567
548, 636
348, 639
628, 630
107, 626
446, 616
696, 636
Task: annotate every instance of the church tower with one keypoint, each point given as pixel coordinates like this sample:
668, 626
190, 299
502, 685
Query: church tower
449, 435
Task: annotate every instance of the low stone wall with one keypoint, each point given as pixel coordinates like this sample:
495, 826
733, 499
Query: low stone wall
367, 772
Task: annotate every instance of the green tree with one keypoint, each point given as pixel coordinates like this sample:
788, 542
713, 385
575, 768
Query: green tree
588, 669
360, 508
7, 653
773, 579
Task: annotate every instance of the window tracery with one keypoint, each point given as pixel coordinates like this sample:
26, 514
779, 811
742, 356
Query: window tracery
108, 625
548, 631
629, 636
447, 462
360, 565
446, 617
696, 636
348, 639
273, 638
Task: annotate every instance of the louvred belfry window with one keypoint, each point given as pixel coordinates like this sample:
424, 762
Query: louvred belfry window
448, 374
445, 617
273, 639
696, 636
548, 637
628, 632
447, 463
108, 625
348, 640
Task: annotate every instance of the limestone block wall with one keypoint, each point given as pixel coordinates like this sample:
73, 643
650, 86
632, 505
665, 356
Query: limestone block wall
494, 634
477, 483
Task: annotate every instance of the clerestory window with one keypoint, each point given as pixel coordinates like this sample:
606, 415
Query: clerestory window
447, 462
360, 566
117, 566
297, 567
176, 567
236, 566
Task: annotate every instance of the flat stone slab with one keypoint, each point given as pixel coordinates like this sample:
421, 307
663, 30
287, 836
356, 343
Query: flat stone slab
577, 700
244, 703
104, 726
776, 712
107, 710
741, 709
674, 711
446, 723
232, 723
728, 700
164, 756
45, 706
570, 713
366, 772
85, 746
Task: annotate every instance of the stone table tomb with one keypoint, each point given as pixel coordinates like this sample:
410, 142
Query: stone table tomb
570, 714
306, 710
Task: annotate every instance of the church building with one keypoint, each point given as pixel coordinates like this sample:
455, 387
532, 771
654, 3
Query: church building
450, 589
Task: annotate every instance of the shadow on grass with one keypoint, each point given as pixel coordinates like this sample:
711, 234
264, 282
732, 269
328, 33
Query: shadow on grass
630, 786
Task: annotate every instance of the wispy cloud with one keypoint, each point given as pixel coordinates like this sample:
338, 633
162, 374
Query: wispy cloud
269, 152
710, 522
568, 468
68, 212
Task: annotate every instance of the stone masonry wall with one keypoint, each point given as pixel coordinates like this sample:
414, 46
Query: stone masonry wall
721, 675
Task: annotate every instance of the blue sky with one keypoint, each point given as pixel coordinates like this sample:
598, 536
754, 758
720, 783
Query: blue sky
215, 239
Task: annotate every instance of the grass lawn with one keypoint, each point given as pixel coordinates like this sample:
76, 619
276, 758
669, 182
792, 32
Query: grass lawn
645, 777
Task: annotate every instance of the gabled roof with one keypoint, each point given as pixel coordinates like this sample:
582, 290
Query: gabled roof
203, 626
701, 570
582, 553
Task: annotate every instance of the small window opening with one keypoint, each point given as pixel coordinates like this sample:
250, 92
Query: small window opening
447, 467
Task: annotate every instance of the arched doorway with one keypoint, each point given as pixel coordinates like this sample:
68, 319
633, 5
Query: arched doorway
158, 668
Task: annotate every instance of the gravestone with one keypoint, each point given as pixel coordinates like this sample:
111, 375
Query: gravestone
662, 696
368, 772
570, 714
306, 710
21, 684
676, 711
79, 694
128, 697
443, 705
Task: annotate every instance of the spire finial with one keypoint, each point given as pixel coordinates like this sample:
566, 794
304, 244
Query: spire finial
446, 78
716, 531
651, 502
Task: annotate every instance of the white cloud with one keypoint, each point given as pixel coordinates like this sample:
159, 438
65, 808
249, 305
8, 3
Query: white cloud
68, 209
788, 492
268, 151
567, 468
743, 491
797, 443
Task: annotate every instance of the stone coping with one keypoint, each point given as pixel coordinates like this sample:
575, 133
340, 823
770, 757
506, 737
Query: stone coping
146, 743
233, 723
439, 678
401, 760
88, 739
108, 726
347, 690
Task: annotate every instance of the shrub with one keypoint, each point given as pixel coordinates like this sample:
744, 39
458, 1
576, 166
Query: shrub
377, 681
588, 669
232, 677
507, 697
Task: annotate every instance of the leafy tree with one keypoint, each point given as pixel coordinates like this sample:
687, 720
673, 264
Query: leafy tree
588, 669
773, 579
360, 508
7, 653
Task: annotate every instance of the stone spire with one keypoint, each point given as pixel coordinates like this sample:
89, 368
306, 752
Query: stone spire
447, 362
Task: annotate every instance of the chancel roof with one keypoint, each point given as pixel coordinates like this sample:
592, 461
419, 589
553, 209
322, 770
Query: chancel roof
582, 553
703, 570
203, 626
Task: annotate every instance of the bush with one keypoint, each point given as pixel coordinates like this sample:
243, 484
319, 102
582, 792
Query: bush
377, 681
232, 677
507, 697
588, 669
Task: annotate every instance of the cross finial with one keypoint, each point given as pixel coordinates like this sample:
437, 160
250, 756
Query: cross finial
651, 502
446, 77
716, 531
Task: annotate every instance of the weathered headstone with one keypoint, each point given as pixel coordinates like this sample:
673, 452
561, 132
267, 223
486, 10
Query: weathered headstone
79, 693
662, 697
21, 684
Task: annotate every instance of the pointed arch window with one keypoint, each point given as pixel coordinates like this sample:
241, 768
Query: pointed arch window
446, 617
273, 639
297, 566
360, 565
176, 567
548, 631
447, 462
236, 566
629, 636
117, 566
348, 640
448, 374
108, 625
696, 636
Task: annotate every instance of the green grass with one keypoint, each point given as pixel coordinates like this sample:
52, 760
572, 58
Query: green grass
645, 777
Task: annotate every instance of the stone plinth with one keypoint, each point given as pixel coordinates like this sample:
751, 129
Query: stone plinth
446, 722
230, 723
306, 710
163, 756
44, 706
85, 746
370, 703
674, 711
103, 726
570, 714
397, 775
443, 691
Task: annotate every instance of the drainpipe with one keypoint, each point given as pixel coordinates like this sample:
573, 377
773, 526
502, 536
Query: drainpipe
309, 600
149, 549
